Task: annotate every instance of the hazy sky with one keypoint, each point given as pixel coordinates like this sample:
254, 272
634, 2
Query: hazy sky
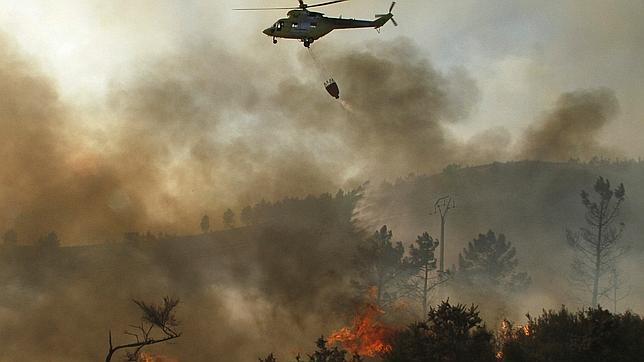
523, 54
195, 100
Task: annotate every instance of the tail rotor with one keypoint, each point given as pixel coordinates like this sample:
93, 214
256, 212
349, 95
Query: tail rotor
389, 15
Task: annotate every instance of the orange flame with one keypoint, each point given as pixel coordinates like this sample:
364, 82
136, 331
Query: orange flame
526, 330
144, 357
367, 337
147, 357
509, 333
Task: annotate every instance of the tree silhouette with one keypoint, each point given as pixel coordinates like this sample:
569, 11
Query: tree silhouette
381, 267
451, 333
491, 261
205, 224
325, 354
246, 216
10, 238
322, 354
50, 240
269, 358
310, 213
423, 265
158, 324
229, 219
596, 244
592, 334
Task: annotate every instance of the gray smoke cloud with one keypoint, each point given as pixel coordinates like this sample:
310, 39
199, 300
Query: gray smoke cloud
48, 181
206, 128
572, 129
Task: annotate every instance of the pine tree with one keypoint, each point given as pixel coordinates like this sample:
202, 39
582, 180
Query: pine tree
382, 266
246, 216
491, 260
205, 224
596, 245
423, 264
452, 333
229, 219
10, 238
50, 240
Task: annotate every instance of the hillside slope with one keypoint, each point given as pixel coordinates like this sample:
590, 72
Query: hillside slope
531, 202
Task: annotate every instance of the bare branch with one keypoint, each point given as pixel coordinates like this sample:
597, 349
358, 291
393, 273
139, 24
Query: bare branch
159, 317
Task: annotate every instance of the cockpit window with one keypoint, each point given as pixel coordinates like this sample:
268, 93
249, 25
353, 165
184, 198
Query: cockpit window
294, 25
279, 25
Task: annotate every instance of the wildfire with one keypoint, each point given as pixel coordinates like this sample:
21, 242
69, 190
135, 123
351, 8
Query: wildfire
526, 330
508, 333
147, 357
367, 337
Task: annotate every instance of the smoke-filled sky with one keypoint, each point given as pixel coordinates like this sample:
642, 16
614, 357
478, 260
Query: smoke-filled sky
126, 115
119, 116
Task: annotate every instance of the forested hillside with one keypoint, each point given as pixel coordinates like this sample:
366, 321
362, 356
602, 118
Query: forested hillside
532, 203
285, 272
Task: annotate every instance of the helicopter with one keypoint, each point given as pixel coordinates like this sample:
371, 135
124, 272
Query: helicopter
309, 26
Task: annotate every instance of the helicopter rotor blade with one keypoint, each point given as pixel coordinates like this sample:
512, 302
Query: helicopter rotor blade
394, 21
302, 6
254, 9
326, 3
390, 10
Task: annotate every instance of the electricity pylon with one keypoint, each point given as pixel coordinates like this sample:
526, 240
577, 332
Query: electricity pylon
442, 207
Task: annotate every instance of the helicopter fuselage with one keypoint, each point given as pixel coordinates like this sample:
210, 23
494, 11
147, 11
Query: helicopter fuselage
308, 26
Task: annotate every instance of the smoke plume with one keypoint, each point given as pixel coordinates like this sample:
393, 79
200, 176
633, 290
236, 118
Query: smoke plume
207, 129
572, 129
50, 181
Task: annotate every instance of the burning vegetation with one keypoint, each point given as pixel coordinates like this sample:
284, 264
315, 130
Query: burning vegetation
148, 357
368, 336
158, 325
314, 261
455, 333
593, 334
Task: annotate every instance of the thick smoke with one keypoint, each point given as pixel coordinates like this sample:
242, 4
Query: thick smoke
49, 181
222, 127
401, 104
572, 129
207, 129
203, 130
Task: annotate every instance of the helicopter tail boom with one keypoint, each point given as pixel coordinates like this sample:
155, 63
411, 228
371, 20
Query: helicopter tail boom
381, 20
351, 23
